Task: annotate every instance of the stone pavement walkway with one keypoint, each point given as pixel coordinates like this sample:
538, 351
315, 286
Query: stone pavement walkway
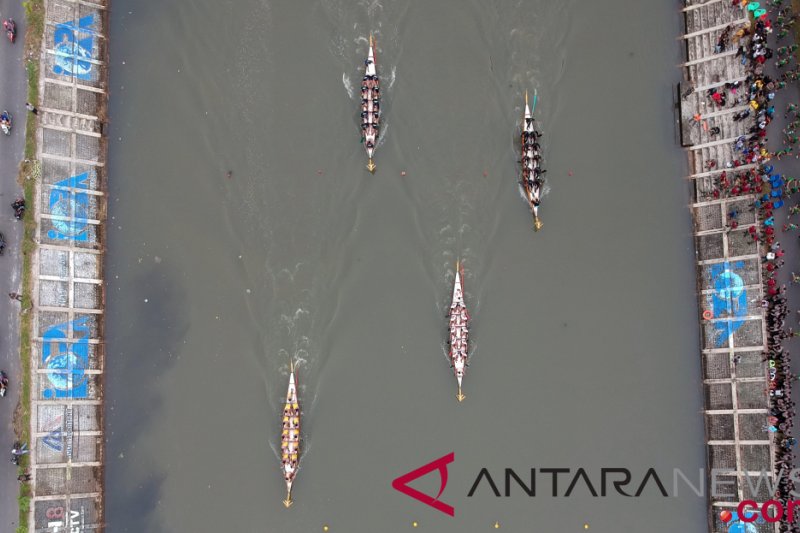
13, 88
788, 167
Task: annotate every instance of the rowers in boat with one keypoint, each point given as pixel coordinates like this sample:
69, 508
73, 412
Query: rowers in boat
532, 179
290, 437
370, 105
459, 331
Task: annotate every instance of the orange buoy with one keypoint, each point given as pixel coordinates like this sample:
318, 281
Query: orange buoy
707, 315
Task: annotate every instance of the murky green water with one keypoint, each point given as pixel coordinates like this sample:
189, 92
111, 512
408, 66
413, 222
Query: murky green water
585, 350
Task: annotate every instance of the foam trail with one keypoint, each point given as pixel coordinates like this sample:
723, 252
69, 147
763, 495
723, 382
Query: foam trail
348, 86
392, 78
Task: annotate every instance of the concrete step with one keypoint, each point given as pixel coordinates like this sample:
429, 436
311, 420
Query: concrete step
717, 68
69, 122
713, 14
729, 129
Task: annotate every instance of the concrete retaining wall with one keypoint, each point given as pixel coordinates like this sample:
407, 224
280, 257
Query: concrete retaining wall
67, 358
729, 279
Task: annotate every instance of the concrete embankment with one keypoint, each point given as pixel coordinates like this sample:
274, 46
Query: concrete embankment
729, 276
67, 352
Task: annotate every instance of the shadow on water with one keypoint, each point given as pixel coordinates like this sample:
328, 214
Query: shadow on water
137, 378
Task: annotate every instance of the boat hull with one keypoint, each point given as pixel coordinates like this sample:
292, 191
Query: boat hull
531, 177
370, 106
290, 437
458, 328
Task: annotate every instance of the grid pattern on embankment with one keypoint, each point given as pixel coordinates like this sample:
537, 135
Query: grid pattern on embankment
729, 276
67, 353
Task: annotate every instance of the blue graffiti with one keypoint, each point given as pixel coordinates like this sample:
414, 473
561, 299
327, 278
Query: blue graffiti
73, 205
54, 440
73, 47
66, 362
735, 525
729, 300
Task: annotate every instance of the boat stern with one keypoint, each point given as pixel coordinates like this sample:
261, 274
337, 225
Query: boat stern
458, 369
288, 501
537, 222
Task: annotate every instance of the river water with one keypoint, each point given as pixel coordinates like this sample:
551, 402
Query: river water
585, 344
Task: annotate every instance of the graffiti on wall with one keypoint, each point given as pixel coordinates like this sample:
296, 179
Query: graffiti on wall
73, 45
73, 205
66, 362
55, 437
58, 522
736, 525
68, 432
729, 300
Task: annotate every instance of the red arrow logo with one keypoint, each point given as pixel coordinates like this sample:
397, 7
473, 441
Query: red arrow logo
440, 464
